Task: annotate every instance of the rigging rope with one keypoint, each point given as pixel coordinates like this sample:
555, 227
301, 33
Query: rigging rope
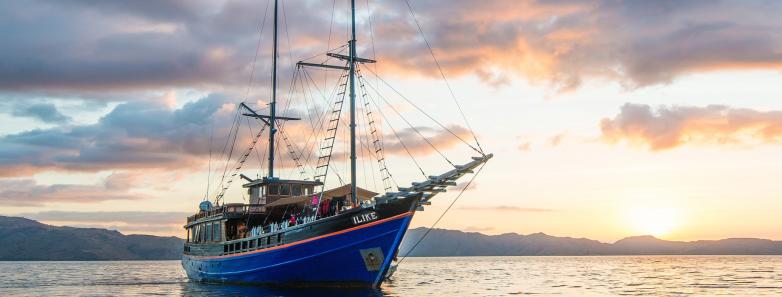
383, 115
331, 26
240, 162
322, 117
441, 215
376, 140
235, 130
408, 123
257, 50
422, 111
292, 152
209, 171
440, 69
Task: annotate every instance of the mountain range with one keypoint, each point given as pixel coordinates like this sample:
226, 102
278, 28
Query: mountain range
440, 242
23, 239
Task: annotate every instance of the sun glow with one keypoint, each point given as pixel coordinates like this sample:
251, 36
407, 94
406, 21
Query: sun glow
653, 221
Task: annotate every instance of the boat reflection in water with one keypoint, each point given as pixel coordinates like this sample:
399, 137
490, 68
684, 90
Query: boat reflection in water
209, 290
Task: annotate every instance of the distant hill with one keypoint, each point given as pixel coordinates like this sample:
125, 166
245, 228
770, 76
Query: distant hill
27, 240
442, 242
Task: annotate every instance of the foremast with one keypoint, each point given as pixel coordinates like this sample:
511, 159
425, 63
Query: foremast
271, 119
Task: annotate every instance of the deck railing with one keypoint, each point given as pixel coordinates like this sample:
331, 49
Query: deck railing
238, 209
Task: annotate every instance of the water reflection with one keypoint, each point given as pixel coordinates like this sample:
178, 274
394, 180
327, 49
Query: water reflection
201, 289
471, 276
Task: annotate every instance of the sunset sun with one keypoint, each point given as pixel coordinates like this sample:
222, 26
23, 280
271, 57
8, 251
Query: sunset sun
653, 221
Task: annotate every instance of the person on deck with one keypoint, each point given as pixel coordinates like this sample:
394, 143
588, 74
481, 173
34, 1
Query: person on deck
313, 207
339, 203
242, 230
324, 208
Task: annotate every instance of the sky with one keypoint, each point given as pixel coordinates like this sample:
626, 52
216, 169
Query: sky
606, 119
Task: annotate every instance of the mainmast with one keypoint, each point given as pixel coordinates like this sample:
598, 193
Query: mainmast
352, 61
272, 106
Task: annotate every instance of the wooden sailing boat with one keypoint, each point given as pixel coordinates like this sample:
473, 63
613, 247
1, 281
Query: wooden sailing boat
291, 233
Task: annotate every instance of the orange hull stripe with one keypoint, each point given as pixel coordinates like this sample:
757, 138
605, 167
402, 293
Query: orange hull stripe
309, 239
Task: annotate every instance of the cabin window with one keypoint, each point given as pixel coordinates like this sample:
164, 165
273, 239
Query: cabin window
201, 233
274, 190
285, 190
208, 232
188, 235
296, 190
252, 244
217, 231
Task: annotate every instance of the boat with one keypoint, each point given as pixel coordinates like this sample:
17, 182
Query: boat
296, 232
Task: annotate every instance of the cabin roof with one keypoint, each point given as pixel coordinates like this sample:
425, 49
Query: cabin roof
276, 181
361, 194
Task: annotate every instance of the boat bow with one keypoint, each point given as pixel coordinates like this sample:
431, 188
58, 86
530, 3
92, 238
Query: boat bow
436, 183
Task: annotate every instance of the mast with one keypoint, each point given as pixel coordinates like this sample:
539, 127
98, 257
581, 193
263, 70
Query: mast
272, 106
352, 60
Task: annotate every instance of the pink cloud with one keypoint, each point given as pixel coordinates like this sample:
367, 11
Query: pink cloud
667, 127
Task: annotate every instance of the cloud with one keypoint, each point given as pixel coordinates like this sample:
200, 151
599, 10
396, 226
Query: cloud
116, 47
207, 44
556, 140
45, 112
150, 135
408, 138
139, 134
667, 127
26, 192
506, 208
562, 43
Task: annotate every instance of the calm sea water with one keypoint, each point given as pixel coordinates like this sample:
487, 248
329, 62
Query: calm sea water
471, 276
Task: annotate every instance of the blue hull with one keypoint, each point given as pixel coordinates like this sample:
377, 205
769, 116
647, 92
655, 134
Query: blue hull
336, 259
